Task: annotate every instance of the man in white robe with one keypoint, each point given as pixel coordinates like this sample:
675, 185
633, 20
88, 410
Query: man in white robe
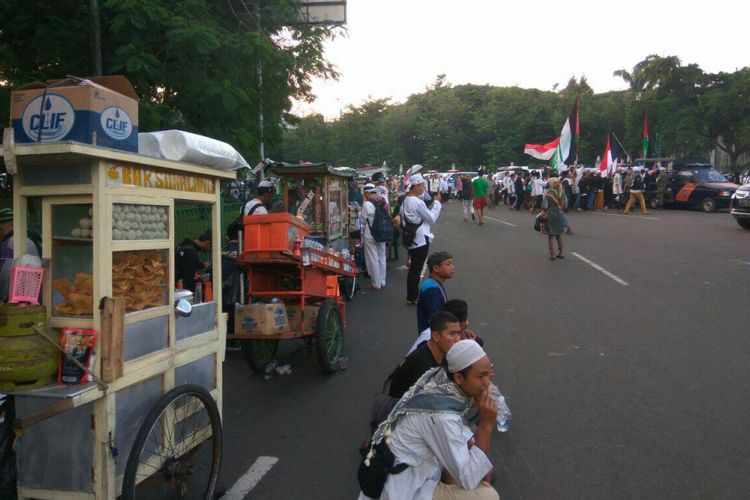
445, 459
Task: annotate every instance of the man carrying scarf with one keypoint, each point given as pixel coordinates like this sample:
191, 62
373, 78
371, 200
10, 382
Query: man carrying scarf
428, 432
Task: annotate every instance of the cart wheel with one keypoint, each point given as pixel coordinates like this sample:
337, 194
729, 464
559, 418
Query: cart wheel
329, 336
348, 287
177, 452
258, 353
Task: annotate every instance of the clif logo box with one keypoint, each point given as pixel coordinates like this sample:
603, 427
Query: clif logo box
99, 110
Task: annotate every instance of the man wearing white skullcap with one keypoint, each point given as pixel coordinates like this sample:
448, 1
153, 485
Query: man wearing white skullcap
414, 212
427, 432
257, 206
375, 256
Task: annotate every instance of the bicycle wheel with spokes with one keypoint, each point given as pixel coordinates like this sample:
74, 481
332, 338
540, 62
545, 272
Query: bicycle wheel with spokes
177, 452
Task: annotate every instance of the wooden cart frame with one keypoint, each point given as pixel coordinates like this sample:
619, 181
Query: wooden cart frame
317, 273
190, 354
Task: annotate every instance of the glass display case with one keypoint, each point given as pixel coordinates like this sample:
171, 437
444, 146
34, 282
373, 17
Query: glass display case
337, 209
305, 197
72, 260
141, 277
139, 222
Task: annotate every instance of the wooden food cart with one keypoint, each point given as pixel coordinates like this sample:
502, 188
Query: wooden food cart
153, 422
297, 257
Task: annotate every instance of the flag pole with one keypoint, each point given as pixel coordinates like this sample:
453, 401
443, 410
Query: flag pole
578, 129
623, 147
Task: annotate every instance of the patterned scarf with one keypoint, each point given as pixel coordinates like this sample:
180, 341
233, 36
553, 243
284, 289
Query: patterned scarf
556, 194
433, 394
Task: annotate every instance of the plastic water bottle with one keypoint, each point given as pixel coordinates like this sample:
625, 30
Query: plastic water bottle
503, 412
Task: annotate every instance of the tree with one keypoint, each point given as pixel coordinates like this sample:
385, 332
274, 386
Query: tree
193, 62
725, 108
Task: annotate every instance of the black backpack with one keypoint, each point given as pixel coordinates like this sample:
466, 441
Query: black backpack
373, 473
382, 225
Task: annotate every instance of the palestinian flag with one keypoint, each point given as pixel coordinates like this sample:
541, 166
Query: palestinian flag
606, 165
611, 158
541, 151
570, 132
645, 135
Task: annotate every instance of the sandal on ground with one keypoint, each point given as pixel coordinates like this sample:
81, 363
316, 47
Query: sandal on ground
560, 256
371, 287
551, 257
411, 302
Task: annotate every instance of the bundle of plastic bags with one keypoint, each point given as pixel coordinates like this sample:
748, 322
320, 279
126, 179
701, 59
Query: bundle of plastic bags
177, 145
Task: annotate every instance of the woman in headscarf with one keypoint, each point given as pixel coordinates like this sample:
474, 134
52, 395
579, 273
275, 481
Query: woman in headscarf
552, 212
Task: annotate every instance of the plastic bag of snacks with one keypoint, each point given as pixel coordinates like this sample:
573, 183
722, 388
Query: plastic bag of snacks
80, 343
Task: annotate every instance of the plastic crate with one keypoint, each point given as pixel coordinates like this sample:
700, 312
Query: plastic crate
276, 232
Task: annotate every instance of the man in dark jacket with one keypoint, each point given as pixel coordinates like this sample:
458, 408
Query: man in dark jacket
187, 263
519, 192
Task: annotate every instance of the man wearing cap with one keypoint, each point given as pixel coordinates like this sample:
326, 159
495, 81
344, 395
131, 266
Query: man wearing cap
187, 263
6, 250
432, 296
375, 256
257, 206
427, 431
414, 211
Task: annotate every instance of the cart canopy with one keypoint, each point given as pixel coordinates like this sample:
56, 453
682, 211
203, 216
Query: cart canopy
290, 170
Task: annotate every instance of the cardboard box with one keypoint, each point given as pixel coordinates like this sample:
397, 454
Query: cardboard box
264, 319
294, 314
98, 110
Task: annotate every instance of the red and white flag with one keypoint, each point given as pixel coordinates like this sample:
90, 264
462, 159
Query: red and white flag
541, 151
606, 165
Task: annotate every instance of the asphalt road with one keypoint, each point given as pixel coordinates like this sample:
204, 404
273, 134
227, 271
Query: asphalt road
635, 390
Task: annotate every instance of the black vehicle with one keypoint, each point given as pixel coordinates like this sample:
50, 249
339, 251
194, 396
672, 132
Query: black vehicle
693, 183
740, 206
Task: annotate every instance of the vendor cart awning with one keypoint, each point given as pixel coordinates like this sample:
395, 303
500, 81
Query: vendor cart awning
290, 169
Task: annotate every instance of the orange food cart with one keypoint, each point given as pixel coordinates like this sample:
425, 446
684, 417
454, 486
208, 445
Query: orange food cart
293, 262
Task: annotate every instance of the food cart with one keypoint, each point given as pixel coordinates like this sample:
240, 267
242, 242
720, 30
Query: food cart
149, 425
295, 259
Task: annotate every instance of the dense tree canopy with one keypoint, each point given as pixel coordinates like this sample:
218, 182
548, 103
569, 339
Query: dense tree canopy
194, 63
690, 112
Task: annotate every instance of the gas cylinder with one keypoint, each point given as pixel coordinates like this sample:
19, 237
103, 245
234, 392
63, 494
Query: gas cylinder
27, 359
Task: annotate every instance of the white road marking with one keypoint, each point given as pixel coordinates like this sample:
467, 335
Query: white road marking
250, 479
601, 269
500, 221
647, 217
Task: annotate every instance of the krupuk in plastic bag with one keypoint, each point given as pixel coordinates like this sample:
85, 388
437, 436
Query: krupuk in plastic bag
80, 343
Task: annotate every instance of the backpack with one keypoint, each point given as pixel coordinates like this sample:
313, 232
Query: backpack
373, 471
382, 225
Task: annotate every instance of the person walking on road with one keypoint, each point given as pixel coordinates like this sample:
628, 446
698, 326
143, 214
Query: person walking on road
414, 212
662, 181
518, 188
375, 254
440, 456
464, 193
480, 188
636, 193
552, 212
432, 295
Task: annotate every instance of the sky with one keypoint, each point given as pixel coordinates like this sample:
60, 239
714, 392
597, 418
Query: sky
396, 48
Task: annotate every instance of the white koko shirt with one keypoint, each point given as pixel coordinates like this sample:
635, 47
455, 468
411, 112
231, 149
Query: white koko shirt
429, 444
